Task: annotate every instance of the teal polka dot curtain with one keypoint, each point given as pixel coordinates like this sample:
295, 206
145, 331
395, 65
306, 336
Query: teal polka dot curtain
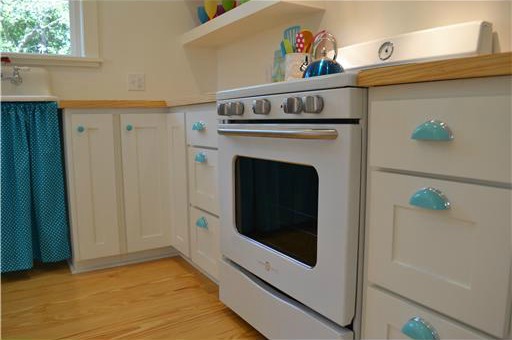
33, 216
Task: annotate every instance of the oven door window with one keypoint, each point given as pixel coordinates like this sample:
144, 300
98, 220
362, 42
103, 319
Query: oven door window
277, 205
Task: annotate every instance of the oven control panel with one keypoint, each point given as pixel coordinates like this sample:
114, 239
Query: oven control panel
325, 104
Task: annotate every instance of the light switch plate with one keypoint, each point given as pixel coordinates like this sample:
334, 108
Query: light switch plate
136, 82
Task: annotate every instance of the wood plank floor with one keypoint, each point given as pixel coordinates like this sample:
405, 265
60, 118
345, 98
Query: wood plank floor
164, 299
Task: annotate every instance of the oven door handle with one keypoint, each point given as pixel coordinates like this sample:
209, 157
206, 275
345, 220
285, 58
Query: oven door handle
290, 133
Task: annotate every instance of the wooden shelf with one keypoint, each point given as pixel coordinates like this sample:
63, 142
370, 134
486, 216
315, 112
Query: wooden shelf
248, 18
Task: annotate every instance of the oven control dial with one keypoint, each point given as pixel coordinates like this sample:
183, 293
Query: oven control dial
313, 104
261, 106
292, 105
235, 108
222, 109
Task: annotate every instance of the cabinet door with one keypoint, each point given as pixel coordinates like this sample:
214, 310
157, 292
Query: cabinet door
385, 315
203, 179
178, 173
96, 207
145, 150
205, 241
454, 259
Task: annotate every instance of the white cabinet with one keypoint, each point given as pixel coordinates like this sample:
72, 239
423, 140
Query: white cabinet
455, 261
127, 185
145, 151
203, 179
202, 189
386, 315
94, 187
205, 241
429, 144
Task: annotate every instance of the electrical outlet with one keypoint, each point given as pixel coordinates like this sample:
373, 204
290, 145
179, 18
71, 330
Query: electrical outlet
136, 82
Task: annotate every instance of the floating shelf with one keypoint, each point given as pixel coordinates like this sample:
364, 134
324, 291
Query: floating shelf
247, 19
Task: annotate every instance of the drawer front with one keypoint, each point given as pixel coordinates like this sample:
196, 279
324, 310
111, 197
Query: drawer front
272, 313
202, 128
479, 120
455, 261
385, 316
205, 241
203, 179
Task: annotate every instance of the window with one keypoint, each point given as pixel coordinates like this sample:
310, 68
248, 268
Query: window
45, 31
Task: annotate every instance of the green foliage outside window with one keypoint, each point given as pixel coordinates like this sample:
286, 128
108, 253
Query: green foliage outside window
35, 26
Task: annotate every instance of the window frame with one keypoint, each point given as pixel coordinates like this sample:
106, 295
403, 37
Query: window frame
83, 16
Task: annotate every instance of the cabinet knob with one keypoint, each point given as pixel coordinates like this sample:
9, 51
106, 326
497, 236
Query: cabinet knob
129, 127
430, 198
80, 128
200, 157
198, 126
202, 223
419, 329
433, 130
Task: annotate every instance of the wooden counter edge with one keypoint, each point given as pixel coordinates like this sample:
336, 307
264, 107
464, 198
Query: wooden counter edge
460, 68
111, 104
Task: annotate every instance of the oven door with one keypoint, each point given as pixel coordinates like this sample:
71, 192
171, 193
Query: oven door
290, 209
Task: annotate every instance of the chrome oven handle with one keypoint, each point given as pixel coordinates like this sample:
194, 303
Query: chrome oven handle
291, 133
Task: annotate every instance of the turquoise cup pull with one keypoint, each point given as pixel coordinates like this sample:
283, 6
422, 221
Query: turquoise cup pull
80, 129
129, 127
430, 198
433, 130
200, 157
418, 329
202, 223
198, 126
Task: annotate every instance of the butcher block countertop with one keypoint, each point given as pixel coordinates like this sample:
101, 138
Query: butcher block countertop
461, 68
124, 104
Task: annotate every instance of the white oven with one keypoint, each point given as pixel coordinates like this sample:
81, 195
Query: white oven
290, 186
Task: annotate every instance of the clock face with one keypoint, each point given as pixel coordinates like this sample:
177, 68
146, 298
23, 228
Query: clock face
386, 50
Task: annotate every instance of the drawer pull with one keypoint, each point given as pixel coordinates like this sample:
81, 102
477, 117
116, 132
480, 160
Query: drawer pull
200, 157
198, 126
430, 198
80, 129
202, 223
129, 127
419, 329
434, 130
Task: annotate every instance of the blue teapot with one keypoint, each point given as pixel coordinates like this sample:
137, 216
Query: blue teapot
323, 46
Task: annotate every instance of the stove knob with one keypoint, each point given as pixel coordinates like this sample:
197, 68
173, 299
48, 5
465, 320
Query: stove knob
261, 106
292, 105
313, 104
235, 109
222, 109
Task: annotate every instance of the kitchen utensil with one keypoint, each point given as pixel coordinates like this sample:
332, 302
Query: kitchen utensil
324, 47
286, 47
210, 6
220, 10
228, 4
303, 41
290, 33
202, 15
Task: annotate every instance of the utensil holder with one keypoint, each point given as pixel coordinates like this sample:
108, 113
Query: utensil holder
293, 63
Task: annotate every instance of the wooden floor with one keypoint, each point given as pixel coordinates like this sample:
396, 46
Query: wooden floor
164, 299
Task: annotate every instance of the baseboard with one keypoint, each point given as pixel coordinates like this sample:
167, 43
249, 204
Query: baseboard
199, 269
77, 267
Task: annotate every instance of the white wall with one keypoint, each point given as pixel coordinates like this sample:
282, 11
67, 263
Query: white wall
140, 37
249, 62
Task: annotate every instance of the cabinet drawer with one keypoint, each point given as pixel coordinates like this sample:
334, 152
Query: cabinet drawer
478, 113
202, 129
455, 261
203, 179
385, 315
205, 241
